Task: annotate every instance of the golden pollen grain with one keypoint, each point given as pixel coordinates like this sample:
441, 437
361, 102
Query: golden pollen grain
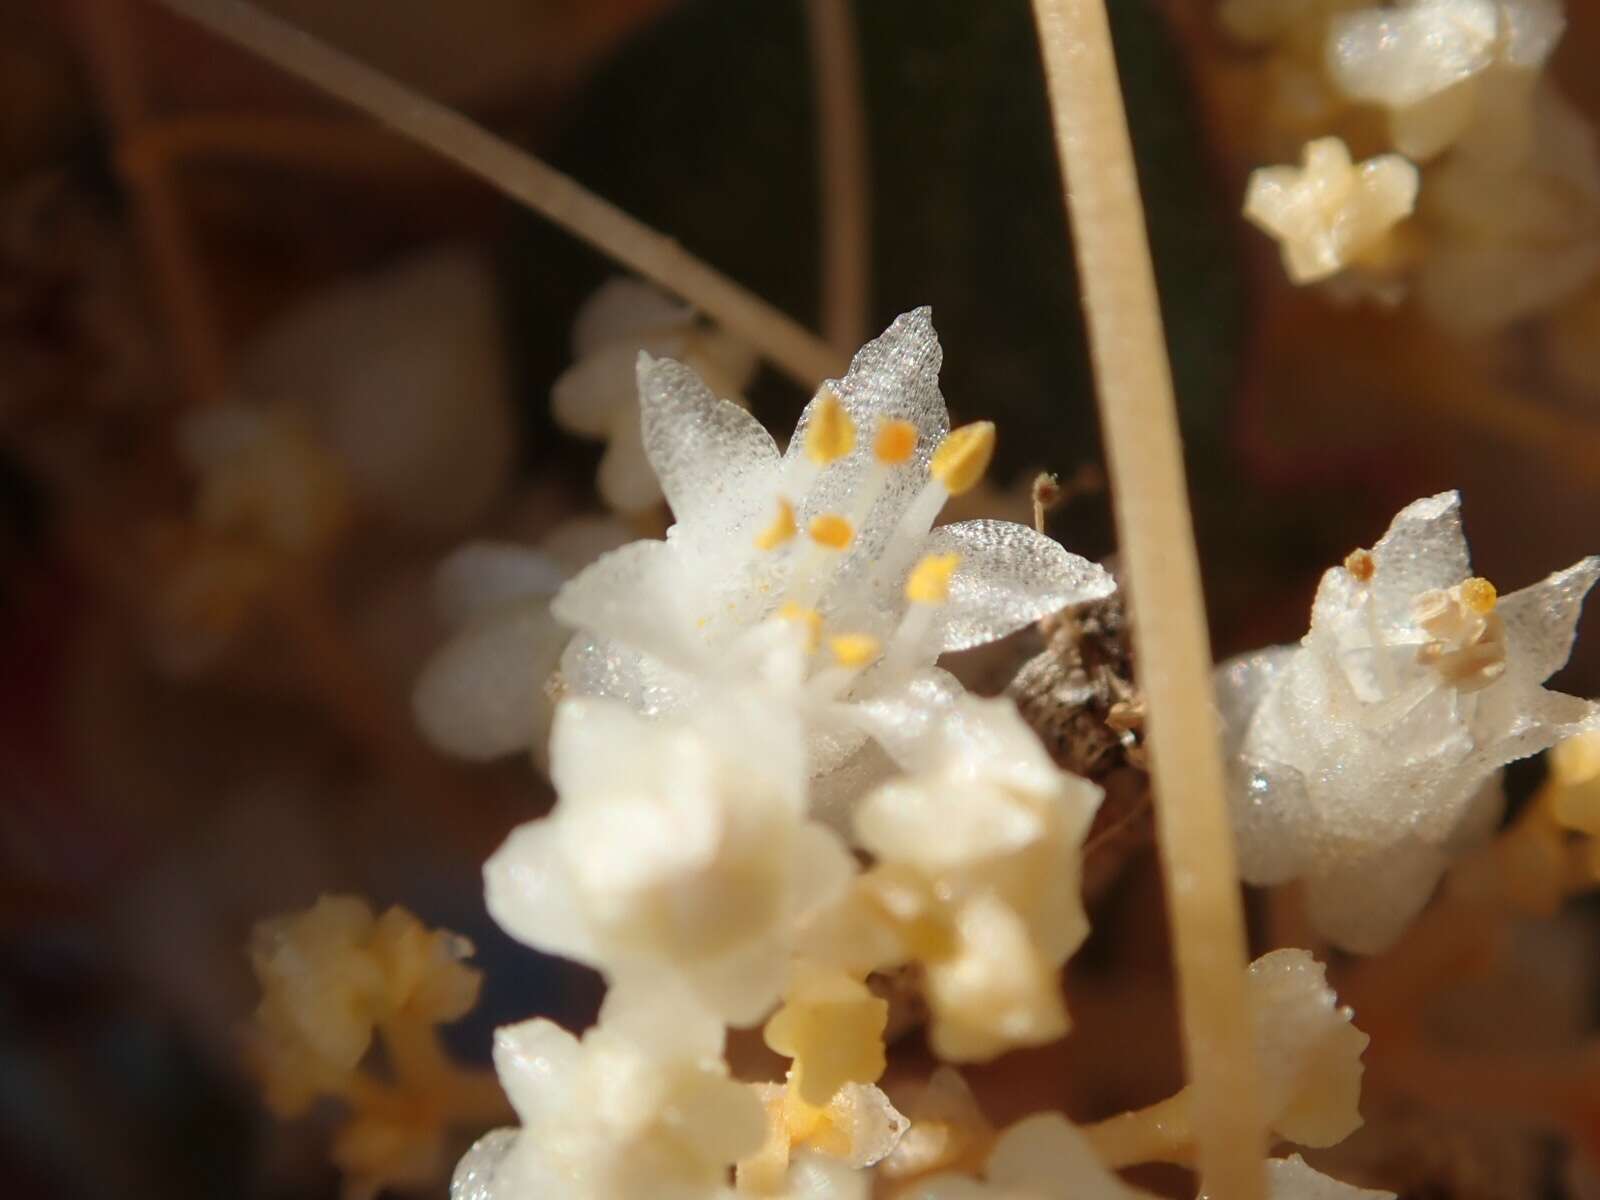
1360, 565
929, 581
808, 618
854, 649
896, 442
832, 530
1479, 596
830, 434
781, 530
963, 457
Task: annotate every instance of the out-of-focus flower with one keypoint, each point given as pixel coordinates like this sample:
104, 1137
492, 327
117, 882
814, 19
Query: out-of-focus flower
598, 396
677, 853
947, 1131
1292, 1179
403, 376
1329, 214
1042, 1157
832, 536
1441, 67
484, 693
640, 1109
1363, 757
331, 975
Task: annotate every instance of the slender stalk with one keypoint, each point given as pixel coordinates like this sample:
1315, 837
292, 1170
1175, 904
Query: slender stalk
524, 178
1134, 382
181, 290
845, 195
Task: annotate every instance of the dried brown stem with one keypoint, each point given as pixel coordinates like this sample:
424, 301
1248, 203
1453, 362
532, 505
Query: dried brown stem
1137, 408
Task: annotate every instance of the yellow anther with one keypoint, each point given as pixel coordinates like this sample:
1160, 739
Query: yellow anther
896, 442
1360, 565
963, 457
929, 581
832, 530
781, 530
854, 649
830, 434
808, 618
1479, 596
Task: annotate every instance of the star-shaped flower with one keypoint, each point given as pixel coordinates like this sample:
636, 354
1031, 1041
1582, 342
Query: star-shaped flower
832, 537
1363, 757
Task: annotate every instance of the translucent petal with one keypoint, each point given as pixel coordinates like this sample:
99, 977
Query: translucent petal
717, 464
483, 576
1291, 1179
1542, 620
635, 595
1400, 56
1240, 684
905, 719
1364, 905
537, 1062
1423, 548
474, 1177
607, 667
625, 309
530, 895
815, 1177
1009, 576
625, 480
482, 695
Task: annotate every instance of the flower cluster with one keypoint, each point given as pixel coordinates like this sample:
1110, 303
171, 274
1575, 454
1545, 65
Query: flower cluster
770, 801
1367, 756
1500, 171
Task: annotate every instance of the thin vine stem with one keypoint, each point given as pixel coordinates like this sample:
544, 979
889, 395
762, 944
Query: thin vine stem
1134, 383
524, 178
843, 178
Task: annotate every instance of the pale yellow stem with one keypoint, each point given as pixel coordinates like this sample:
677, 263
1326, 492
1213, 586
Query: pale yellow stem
1163, 1132
158, 212
525, 179
1134, 382
845, 194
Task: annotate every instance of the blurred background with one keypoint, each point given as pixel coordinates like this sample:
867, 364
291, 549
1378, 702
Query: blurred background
186, 749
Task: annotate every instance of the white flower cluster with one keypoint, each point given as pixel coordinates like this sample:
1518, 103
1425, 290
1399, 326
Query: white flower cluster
767, 792
1366, 756
1500, 171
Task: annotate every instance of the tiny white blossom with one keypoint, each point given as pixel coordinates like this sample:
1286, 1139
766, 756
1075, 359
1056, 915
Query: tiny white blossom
640, 1109
482, 695
597, 397
1363, 756
832, 536
1042, 1157
676, 852
1442, 66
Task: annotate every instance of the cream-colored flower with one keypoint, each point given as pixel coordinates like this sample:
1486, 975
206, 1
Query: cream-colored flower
1329, 214
857, 1128
640, 1109
1291, 1179
977, 872
597, 396
677, 853
947, 1131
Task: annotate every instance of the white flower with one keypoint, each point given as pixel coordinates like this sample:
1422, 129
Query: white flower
641, 1109
1291, 1179
1309, 1050
1363, 756
482, 695
403, 374
1042, 1157
1439, 66
597, 396
984, 846
1329, 213
832, 536
676, 853
855, 1129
